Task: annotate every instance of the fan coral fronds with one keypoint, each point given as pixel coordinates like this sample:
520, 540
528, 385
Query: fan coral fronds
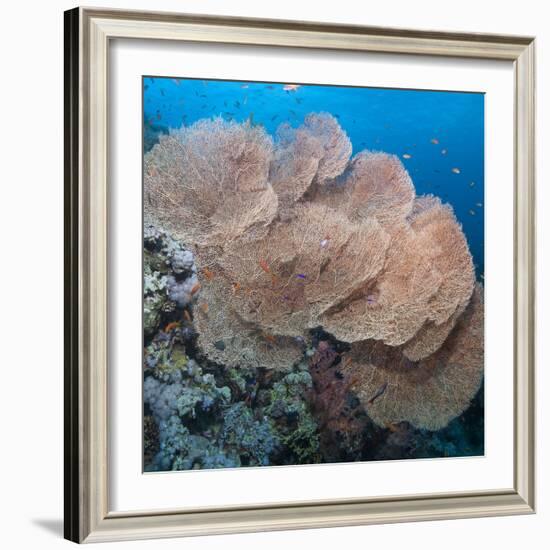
316, 151
226, 338
293, 235
374, 185
427, 394
303, 266
208, 183
427, 277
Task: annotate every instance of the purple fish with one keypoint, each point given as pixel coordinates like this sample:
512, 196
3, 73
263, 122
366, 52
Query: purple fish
380, 391
300, 276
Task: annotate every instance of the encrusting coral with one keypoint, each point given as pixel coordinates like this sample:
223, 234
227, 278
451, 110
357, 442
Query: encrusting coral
293, 235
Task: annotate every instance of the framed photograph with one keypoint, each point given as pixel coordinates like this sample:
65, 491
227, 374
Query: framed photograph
299, 275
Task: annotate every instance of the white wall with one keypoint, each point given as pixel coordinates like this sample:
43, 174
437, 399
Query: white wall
31, 269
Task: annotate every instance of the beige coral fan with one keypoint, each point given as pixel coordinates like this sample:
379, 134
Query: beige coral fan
427, 394
316, 151
303, 266
292, 236
428, 276
226, 338
374, 185
208, 183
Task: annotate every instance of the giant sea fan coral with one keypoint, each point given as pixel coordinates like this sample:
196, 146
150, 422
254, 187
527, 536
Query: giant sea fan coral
208, 183
294, 235
427, 394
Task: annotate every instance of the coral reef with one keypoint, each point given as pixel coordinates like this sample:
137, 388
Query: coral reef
342, 420
264, 244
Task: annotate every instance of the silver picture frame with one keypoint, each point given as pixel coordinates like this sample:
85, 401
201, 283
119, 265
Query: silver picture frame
88, 33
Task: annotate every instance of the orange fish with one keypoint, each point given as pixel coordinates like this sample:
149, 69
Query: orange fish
208, 274
264, 266
270, 338
204, 307
347, 361
196, 288
171, 326
236, 287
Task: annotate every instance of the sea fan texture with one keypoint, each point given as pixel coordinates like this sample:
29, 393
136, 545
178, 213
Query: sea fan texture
293, 235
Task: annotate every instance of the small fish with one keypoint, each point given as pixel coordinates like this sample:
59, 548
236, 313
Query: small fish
392, 426
186, 315
208, 274
162, 92
482, 276
204, 307
176, 81
293, 113
300, 276
146, 87
407, 156
236, 287
219, 344
245, 100
202, 95
195, 289
479, 205
244, 86
371, 299
251, 119
264, 266
171, 326
237, 104
291, 87
152, 80
455, 170
435, 141
274, 117
380, 391
270, 338
472, 212
324, 243
472, 183
270, 87
443, 151
298, 100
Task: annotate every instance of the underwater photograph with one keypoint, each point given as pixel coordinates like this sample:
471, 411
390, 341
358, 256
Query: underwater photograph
313, 274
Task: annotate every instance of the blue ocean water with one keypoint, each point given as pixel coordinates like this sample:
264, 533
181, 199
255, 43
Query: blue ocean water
439, 136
